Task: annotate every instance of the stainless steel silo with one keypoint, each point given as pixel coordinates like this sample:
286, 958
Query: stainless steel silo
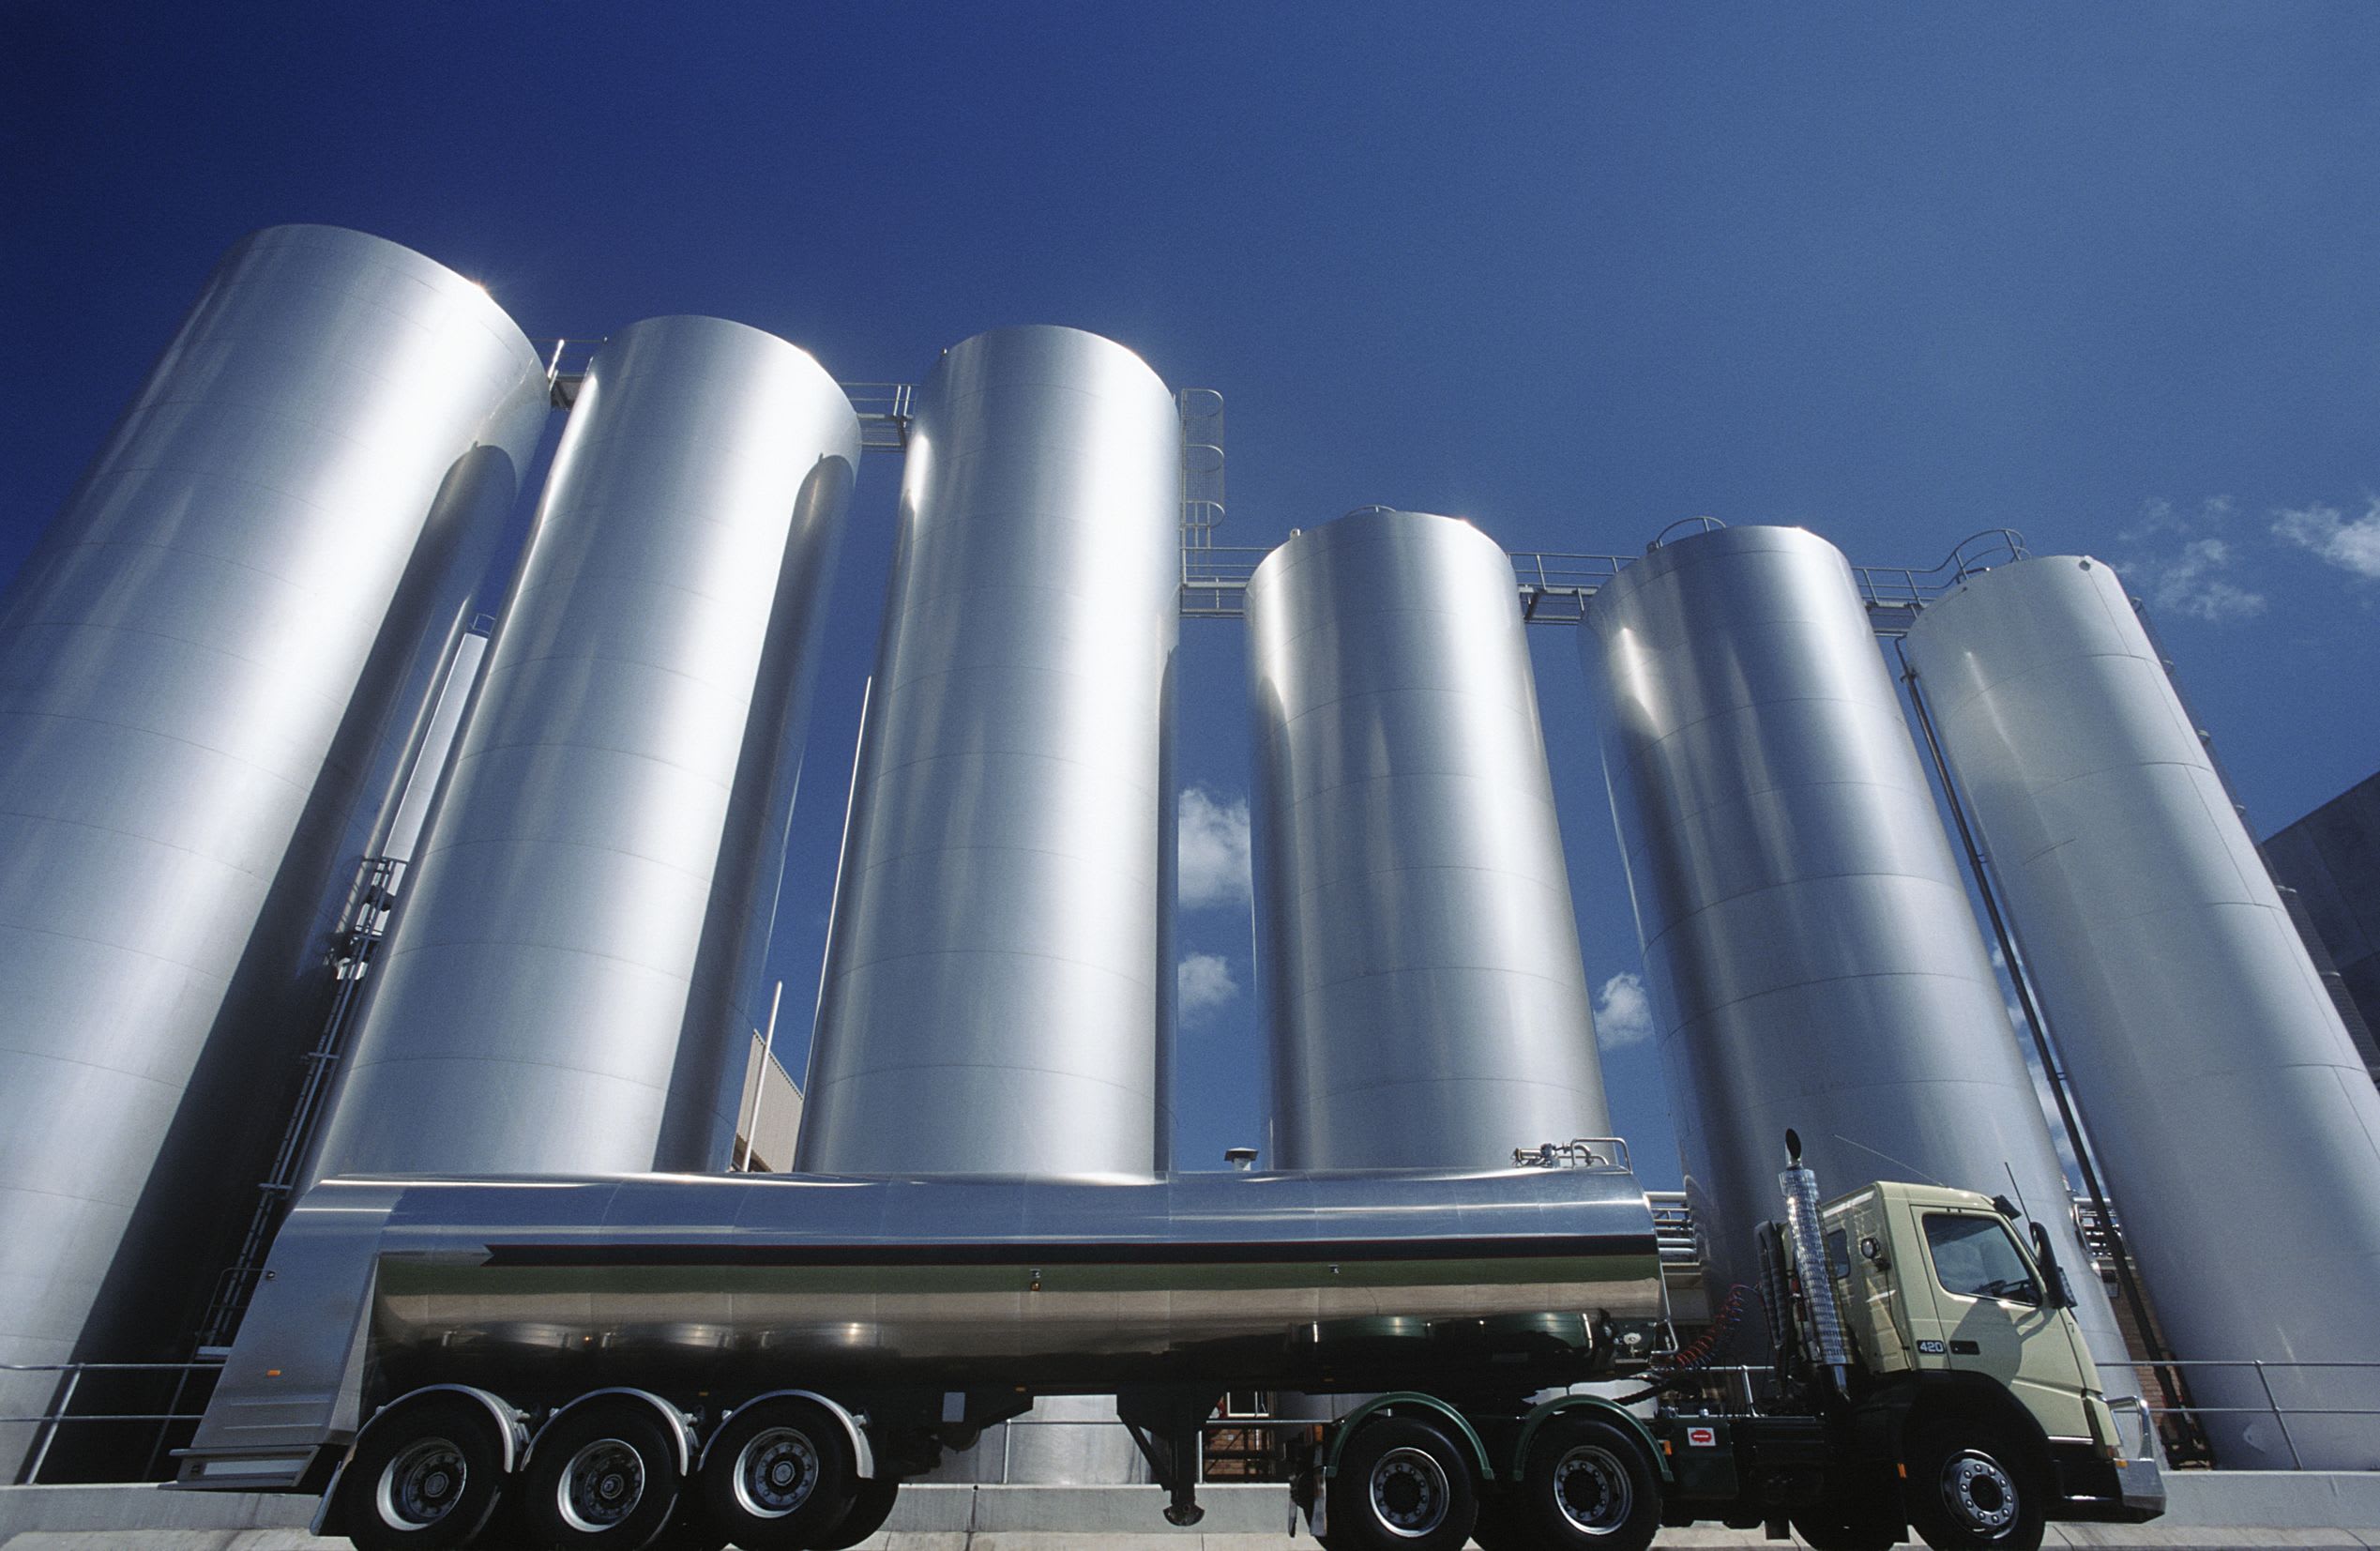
1417, 948
997, 979
208, 672
567, 985
1810, 952
2238, 1131
997, 995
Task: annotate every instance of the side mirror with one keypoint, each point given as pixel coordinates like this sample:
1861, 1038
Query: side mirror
2061, 1291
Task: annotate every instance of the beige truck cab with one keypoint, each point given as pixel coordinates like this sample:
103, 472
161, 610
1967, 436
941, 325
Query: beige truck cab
1956, 1321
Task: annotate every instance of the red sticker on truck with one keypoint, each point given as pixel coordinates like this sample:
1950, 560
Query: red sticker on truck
1701, 1437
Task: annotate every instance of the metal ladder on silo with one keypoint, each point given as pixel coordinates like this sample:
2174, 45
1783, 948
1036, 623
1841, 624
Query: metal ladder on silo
358, 937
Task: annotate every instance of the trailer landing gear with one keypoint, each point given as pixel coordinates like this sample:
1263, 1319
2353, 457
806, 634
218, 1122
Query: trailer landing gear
1166, 1423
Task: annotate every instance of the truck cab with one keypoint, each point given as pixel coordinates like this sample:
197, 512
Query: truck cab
1955, 1327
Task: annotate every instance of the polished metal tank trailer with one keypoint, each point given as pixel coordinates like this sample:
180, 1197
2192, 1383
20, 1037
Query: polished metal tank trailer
639, 1360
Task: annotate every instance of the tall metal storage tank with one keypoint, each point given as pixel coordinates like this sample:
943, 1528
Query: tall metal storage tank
999, 979
566, 986
1418, 953
2239, 1133
997, 984
1808, 950
209, 669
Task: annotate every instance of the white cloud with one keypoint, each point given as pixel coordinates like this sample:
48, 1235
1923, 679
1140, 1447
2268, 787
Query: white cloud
2353, 546
2191, 582
2159, 516
1623, 1016
1203, 982
1212, 849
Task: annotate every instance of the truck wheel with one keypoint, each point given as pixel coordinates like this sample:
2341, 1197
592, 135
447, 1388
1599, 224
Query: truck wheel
1970, 1491
1498, 1527
427, 1477
603, 1474
779, 1476
1587, 1483
1402, 1485
870, 1508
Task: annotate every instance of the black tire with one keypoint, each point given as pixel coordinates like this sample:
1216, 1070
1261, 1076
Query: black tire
1586, 1483
779, 1477
1969, 1489
1402, 1485
605, 1474
1848, 1529
425, 1477
1497, 1526
687, 1529
871, 1505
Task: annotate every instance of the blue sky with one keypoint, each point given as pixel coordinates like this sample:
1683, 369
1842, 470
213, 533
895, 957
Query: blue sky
2102, 274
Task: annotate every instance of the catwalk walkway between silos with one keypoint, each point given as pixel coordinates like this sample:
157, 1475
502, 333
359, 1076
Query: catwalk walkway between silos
2309, 1511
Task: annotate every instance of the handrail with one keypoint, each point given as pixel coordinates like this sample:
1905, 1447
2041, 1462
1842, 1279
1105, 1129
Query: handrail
62, 1410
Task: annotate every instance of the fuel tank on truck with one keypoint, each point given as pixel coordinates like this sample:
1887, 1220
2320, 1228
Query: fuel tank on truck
1427, 1006
1809, 948
544, 1289
211, 670
2237, 1127
998, 985
568, 986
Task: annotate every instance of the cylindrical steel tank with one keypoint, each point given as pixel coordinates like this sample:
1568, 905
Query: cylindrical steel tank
208, 670
1810, 952
999, 979
1419, 956
2239, 1131
997, 984
566, 985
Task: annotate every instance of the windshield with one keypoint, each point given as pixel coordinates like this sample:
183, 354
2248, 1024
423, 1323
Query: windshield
1974, 1258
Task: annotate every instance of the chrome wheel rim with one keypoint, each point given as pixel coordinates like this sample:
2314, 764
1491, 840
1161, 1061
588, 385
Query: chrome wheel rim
1977, 1491
1591, 1490
1408, 1491
422, 1484
601, 1485
776, 1472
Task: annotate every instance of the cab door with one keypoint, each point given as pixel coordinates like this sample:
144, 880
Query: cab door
1994, 1317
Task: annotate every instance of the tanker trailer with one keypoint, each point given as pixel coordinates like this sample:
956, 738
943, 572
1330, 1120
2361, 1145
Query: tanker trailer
638, 1360
675, 1360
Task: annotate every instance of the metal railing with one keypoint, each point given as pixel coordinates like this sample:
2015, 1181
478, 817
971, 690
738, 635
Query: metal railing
2196, 1415
1673, 1226
61, 1413
1910, 588
884, 411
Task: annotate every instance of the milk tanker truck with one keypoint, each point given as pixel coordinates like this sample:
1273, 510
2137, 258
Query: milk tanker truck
681, 1361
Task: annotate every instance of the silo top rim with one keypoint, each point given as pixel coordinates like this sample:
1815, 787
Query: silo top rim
1712, 544
1060, 330
762, 336
1294, 549
2031, 566
414, 266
